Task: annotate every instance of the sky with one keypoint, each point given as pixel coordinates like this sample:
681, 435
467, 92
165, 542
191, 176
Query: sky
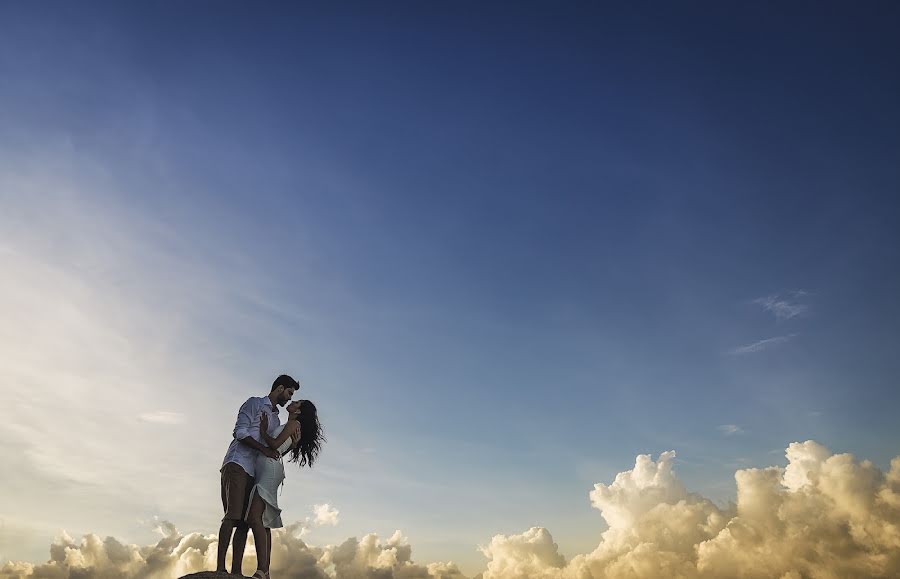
506, 248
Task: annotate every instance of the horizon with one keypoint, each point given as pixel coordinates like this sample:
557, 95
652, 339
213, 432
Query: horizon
507, 249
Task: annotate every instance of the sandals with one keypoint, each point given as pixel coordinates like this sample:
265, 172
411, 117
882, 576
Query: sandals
259, 574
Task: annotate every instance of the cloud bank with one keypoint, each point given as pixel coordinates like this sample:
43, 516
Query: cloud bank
823, 516
177, 554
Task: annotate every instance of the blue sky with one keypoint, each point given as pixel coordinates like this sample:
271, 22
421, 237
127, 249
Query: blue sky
505, 247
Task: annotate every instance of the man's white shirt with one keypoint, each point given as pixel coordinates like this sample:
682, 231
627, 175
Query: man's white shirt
248, 425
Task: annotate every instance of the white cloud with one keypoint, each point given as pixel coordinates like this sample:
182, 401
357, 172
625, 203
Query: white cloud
95, 557
325, 514
761, 345
730, 429
530, 554
784, 306
175, 555
823, 515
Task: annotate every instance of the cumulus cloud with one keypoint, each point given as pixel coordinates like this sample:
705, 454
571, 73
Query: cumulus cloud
325, 514
370, 558
761, 345
784, 306
98, 558
530, 554
177, 554
824, 515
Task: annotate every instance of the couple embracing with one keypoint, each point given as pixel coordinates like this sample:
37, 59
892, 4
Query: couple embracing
253, 469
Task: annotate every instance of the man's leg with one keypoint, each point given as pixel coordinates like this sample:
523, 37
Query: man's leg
237, 549
224, 539
236, 485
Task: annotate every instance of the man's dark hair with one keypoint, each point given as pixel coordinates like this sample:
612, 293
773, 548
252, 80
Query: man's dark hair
286, 381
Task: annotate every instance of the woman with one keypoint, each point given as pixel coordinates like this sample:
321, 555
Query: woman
302, 437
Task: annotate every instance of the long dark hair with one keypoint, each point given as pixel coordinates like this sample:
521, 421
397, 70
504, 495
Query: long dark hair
311, 437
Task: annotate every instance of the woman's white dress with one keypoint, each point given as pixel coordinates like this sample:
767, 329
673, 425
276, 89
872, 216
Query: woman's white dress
269, 475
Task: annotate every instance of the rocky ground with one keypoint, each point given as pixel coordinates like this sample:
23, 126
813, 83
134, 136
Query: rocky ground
209, 575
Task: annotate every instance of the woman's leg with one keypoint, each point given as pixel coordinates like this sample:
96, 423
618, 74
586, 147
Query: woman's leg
260, 535
237, 548
269, 554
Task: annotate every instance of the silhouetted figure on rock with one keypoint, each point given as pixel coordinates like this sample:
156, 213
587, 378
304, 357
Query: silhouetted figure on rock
253, 470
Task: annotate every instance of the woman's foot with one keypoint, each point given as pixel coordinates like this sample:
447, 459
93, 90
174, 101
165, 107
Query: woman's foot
260, 575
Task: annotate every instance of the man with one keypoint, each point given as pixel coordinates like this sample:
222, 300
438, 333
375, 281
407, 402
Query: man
238, 468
